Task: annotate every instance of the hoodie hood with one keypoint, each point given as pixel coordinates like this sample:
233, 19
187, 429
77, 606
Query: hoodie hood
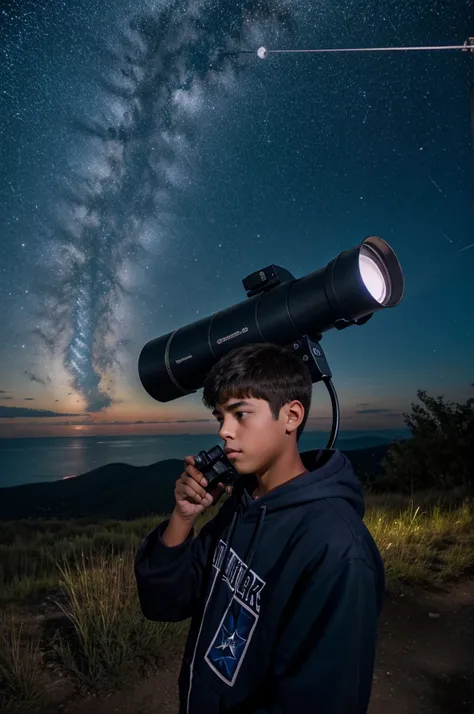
328, 474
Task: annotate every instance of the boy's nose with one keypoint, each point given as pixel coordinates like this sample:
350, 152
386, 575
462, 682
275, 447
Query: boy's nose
225, 431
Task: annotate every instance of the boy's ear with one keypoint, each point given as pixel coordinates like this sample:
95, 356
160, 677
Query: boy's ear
294, 415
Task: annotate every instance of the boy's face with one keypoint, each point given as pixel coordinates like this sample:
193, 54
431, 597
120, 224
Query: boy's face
247, 425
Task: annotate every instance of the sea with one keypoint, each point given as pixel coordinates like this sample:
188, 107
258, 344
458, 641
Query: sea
26, 460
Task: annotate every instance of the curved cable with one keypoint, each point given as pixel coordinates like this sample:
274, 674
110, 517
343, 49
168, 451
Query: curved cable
336, 415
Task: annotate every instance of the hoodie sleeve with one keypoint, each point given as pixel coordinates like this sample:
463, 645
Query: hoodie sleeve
324, 658
170, 578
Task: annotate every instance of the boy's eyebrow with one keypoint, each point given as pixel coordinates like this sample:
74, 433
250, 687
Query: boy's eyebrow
233, 406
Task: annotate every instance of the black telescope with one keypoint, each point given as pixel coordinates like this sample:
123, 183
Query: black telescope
280, 309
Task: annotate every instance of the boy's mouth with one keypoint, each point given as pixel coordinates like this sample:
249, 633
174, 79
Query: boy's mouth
232, 453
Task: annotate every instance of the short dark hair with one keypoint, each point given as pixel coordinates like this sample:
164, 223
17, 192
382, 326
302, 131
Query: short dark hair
262, 371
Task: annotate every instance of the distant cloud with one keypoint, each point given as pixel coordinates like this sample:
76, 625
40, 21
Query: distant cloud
29, 399
132, 423
14, 412
152, 421
373, 411
135, 156
5, 398
33, 378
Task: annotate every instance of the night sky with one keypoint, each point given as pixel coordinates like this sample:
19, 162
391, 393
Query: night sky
146, 168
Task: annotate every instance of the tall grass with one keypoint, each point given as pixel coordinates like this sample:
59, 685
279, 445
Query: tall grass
30, 550
109, 637
423, 545
21, 666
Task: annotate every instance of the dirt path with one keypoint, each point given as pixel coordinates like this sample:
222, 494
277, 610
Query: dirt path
425, 663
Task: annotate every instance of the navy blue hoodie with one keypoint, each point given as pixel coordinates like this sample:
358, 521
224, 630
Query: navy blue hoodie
283, 591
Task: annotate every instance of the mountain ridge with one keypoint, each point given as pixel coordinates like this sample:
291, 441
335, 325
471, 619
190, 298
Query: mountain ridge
122, 491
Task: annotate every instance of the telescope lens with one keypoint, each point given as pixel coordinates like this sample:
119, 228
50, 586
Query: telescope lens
375, 278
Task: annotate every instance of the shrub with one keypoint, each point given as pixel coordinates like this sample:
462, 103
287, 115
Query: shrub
440, 454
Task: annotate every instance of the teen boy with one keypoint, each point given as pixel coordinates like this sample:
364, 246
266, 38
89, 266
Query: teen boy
285, 583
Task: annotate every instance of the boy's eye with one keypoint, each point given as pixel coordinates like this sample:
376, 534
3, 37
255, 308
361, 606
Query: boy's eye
237, 414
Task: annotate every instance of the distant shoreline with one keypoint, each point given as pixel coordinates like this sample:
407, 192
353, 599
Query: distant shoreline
121, 490
48, 459
351, 433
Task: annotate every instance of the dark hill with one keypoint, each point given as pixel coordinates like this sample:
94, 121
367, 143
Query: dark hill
113, 491
125, 492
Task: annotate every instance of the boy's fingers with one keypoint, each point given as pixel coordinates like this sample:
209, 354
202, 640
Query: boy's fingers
208, 500
196, 486
192, 495
195, 474
191, 483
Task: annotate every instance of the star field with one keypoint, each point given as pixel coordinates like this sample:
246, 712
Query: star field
147, 167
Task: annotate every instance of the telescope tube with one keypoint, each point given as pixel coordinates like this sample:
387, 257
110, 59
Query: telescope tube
357, 283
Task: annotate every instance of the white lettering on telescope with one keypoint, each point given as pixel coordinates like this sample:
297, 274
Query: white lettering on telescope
183, 359
234, 334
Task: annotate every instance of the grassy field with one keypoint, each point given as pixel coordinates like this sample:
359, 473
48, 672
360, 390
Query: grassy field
68, 599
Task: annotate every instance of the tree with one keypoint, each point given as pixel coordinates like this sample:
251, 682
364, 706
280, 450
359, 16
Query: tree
440, 454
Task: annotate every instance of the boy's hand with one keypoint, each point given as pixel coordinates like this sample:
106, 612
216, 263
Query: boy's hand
191, 497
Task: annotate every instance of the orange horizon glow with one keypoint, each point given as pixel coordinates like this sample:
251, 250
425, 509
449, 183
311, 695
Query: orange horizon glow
132, 415
17, 428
